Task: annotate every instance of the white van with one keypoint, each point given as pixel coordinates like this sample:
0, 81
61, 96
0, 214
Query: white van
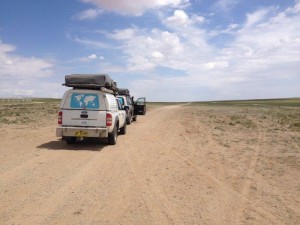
88, 113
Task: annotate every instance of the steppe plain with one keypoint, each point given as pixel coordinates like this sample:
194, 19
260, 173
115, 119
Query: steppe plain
187, 163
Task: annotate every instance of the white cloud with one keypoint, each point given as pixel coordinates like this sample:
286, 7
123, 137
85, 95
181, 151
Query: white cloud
157, 54
133, 7
22, 75
215, 65
125, 34
88, 14
18, 66
86, 60
198, 19
256, 17
226, 5
93, 56
231, 29
89, 43
294, 9
275, 36
179, 18
144, 48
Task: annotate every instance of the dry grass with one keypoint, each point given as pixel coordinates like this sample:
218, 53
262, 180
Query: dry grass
255, 149
27, 113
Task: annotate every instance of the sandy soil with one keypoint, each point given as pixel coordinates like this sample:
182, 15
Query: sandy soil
179, 164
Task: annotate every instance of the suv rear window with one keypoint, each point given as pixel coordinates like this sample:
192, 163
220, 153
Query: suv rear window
121, 100
84, 101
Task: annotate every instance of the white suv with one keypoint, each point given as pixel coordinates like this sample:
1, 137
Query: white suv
86, 113
128, 104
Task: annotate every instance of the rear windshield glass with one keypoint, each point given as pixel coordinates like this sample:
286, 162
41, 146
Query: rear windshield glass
84, 101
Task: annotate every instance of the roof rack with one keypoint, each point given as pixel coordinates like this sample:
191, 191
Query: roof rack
123, 91
91, 81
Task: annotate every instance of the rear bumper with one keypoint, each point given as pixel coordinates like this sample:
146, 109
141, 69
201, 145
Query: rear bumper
79, 131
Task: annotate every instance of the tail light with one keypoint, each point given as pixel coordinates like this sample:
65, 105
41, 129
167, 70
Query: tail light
108, 119
60, 113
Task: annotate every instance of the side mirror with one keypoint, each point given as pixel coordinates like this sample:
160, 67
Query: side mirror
126, 108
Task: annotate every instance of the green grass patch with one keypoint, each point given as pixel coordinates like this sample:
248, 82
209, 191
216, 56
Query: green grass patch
46, 100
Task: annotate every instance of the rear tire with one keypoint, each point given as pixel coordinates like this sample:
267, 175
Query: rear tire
112, 137
134, 118
128, 119
70, 140
123, 129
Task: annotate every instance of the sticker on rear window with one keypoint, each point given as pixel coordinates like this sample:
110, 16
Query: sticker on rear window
84, 101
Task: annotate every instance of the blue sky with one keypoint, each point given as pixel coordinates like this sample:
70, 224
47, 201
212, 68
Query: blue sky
166, 50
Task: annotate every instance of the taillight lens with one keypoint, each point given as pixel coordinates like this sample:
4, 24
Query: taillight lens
108, 119
60, 113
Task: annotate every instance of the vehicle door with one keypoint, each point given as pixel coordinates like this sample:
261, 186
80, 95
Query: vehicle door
121, 113
140, 106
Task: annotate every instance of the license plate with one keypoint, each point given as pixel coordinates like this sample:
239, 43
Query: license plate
81, 133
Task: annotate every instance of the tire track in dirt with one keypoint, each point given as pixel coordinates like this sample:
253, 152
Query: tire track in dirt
190, 147
34, 179
246, 186
153, 196
152, 200
54, 202
109, 182
228, 191
242, 197
174, 131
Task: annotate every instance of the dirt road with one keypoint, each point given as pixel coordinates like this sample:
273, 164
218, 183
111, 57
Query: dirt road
177, 165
